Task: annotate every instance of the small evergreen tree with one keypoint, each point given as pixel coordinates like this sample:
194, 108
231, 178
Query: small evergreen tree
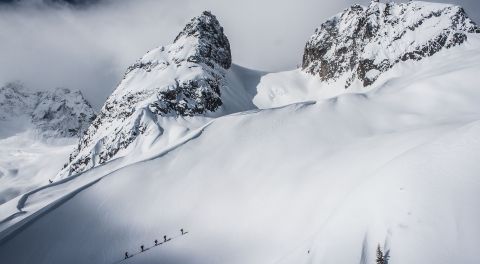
380, 258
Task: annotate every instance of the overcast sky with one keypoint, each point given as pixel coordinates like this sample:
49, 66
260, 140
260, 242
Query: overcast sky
89, 47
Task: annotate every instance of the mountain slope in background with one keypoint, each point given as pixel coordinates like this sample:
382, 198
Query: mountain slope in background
37, 130
58, 113
361, 43
322, 181
364, 47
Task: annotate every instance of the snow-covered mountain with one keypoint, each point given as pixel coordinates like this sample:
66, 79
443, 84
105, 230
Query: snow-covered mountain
361, 43
284, 168
37, 130
57, 113
362, 48
190, 79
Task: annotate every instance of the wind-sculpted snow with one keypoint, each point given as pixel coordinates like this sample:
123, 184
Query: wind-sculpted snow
361, 43
60, 112
184, 80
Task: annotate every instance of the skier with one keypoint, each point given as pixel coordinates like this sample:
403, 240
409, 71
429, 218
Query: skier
156, 242
126, 255
181, 230
141, 247
164, 238
50, 181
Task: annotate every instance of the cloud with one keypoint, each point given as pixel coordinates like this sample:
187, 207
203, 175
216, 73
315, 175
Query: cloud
43, 2
90, 48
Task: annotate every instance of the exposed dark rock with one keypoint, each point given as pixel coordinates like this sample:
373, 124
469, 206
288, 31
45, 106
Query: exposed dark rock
213, 45
180, 80
363, 42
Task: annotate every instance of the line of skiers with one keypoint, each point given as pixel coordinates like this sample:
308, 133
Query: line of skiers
165, 239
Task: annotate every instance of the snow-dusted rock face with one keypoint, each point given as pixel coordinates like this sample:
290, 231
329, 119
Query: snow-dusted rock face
15, 100
183, 79
362, 42
60, 112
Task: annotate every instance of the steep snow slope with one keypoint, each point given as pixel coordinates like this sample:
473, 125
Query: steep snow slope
320, 182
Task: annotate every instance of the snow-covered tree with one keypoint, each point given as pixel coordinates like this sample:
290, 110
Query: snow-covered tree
380, 257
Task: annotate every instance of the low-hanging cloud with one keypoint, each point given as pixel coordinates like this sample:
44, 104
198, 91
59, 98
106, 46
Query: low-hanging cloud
89, 48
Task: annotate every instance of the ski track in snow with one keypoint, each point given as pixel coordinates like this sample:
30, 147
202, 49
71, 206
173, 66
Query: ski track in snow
10, 231
57, 202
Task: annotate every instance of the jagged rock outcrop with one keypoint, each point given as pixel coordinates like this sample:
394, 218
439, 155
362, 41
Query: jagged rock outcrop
184, 79
60, 112
363, 42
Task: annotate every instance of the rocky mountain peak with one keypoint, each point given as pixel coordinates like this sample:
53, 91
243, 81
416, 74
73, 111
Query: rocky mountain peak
361, 43
184, 79
213, 45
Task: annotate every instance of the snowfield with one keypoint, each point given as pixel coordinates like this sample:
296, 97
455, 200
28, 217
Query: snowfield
38, 130
28, 162
318, 174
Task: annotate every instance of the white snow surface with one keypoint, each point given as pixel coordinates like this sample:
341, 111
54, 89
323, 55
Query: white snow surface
322, 181
37, 132
28, 161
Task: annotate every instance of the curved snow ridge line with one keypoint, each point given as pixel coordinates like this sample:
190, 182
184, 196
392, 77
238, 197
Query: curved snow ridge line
12, 217
24, 198
195, 134
12, 230
22, 201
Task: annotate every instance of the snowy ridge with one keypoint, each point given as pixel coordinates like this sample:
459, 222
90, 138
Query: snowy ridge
356, 170
57, 113
182, 84
361, 43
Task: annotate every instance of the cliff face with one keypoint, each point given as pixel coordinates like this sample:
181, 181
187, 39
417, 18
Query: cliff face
363, 42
